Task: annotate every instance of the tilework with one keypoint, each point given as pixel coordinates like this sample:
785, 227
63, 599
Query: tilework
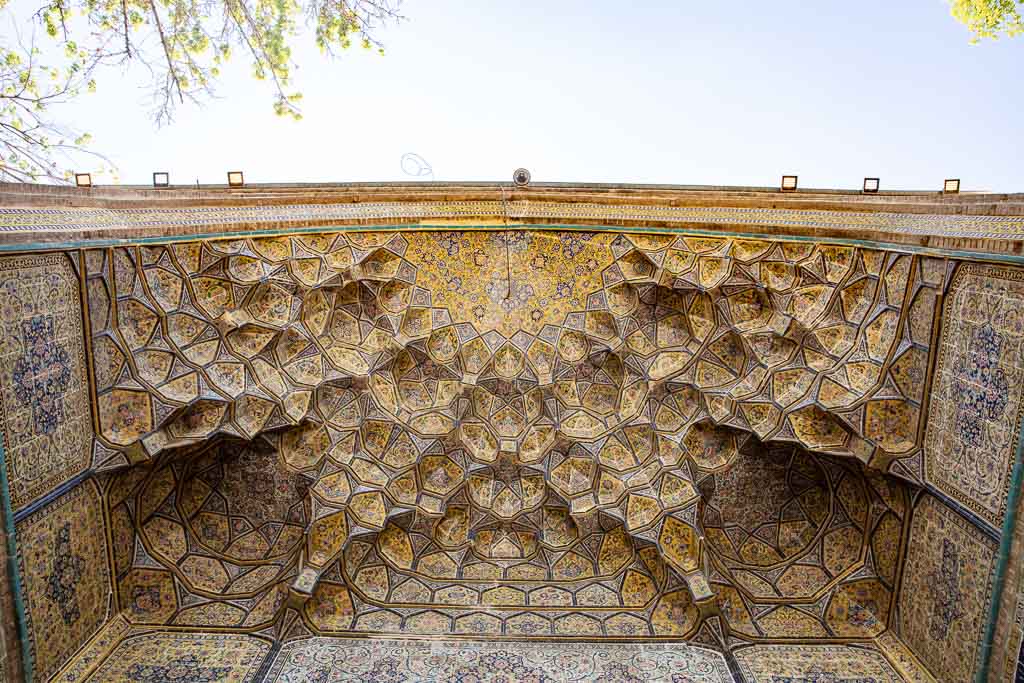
468, 274
814, 664
1009, 628
44, 404
163, 657
10, 641
815, 532
64, 570
338, 659
78, 219
978, 400
903, 659
401, 582
946, 591
509, 433
680, 310
228, 524
94, 651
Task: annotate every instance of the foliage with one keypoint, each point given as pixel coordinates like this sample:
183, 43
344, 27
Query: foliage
181, 44
989, 18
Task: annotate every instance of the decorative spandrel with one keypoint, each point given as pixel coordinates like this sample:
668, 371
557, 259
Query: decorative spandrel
44, 391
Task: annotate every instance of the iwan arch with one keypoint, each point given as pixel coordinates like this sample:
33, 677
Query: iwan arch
431, 431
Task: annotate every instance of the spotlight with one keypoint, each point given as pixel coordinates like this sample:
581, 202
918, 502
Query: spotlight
788, 183
521, 177
951, 185
871, 184
83, 180
235, 179
161, 179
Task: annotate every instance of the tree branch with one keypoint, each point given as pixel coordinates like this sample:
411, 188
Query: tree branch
167, 51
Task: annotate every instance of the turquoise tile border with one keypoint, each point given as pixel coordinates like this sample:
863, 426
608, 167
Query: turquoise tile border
13, 571
1002, 560
417, 227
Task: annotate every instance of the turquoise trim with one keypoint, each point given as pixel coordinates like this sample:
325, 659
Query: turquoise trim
431, 227
13, 572
1006, 540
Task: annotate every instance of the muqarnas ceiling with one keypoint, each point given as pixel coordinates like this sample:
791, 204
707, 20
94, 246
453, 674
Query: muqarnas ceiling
511, 432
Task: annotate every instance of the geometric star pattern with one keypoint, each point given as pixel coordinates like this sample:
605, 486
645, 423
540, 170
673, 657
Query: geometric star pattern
513, 434
400, 432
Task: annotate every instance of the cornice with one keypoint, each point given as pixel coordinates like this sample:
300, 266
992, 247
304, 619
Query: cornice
987, 223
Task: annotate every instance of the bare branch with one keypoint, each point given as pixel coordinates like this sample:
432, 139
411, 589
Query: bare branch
172, 72
124, 15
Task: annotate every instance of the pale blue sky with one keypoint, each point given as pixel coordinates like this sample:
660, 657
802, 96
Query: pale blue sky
669, 92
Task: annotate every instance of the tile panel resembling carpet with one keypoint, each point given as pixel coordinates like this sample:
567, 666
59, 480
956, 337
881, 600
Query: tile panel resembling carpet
336, 660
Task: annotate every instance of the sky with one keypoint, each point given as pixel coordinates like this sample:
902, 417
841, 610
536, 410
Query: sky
680, 92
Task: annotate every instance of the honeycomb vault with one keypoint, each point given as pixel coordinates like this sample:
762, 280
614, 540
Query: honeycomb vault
584, 425
769, 455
